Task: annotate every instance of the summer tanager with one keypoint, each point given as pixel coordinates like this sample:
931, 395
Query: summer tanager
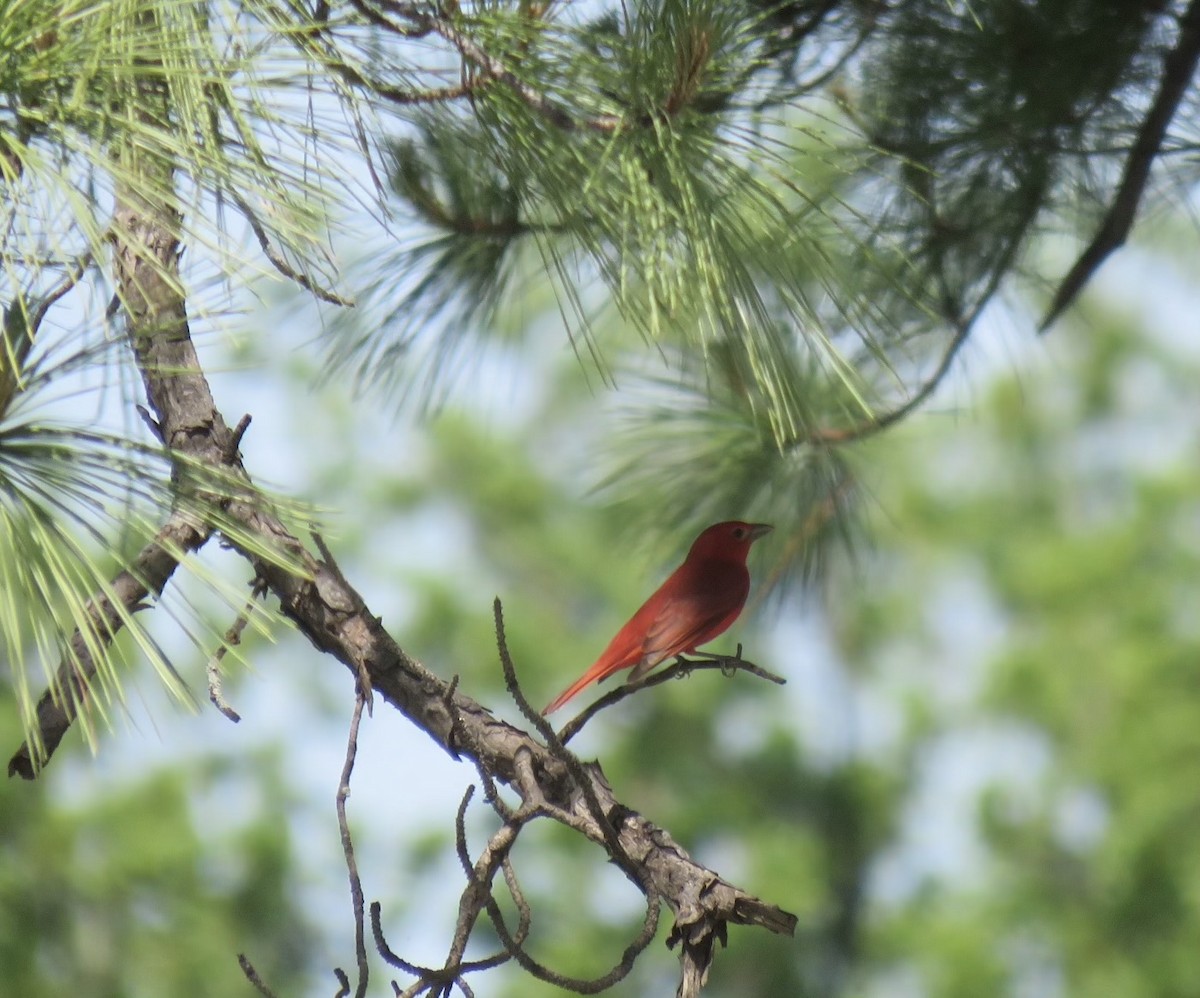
700, 600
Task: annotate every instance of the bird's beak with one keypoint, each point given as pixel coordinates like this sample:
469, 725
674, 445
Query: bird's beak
757, 530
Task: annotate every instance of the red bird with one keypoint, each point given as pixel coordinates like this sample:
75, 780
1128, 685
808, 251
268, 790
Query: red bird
700, 600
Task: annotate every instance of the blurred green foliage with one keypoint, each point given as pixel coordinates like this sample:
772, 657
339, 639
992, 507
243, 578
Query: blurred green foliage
116, 892
1024, 618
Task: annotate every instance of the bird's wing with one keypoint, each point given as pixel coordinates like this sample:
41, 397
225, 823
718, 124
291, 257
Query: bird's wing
685, 621
698, 602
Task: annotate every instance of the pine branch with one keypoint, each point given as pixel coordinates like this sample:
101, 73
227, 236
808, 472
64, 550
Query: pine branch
146, 257
330, 612
1179, 67
148, 575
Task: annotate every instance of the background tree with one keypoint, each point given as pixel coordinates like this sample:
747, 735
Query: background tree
802, 210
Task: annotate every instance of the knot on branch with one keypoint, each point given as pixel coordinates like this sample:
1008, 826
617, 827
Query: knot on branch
702, 922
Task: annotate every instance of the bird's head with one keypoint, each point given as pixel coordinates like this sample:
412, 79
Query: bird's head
730, 540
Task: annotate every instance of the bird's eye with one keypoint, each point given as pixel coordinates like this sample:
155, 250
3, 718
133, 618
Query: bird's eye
739, 533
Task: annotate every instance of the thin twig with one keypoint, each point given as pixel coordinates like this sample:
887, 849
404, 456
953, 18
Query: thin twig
213, 671
524, 912
962, 325
19, 330
356, 892
385, 951
555, 744
235, 438
1179, 67
581, 986
151, 423
425, 22
455, 724
233, 636
277, 260
460, 832
72, 277
253, 978
480, 876
330, 58
681, 667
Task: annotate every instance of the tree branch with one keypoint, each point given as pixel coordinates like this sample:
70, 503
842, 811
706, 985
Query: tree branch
279, 263
1179, 67
679, 669
107, 612
334, 618
324, 607
961, 322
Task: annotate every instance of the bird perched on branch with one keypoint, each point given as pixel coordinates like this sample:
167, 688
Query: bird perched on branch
699, 601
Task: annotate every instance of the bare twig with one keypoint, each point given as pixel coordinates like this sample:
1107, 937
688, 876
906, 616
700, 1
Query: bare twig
277, 260
681, 667
555, 113
555, 744
330, 57
961, 323
233, 636
524, 912
405, 10
19, 329
356, 891
215, 694
1179, 67
448, 703
478, 891
235, 438
385, 951
253, 978
581, 986
421, 22
151, 423
72, 277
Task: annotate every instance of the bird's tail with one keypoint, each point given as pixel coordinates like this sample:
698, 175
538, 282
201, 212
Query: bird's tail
601, 670
566, 694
